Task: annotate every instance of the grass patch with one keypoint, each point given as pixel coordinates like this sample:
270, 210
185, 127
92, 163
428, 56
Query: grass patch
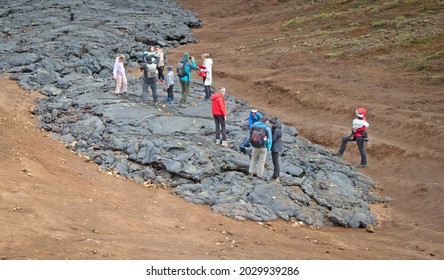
402, 37
332, 55
294, 22
435, 56
380, 24
323, 16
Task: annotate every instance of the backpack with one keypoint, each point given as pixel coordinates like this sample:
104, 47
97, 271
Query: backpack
258, 136
181, 69
151, 72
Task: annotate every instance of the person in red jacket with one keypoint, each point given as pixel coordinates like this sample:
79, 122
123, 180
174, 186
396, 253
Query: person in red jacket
359, 133
219, 110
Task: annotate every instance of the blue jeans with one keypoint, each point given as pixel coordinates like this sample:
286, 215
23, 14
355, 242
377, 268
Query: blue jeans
153, 87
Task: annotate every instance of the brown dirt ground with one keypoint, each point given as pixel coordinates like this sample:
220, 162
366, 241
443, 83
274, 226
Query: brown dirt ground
57, 205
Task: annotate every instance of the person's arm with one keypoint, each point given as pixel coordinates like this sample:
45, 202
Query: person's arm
193, 64
270, 139
223, 107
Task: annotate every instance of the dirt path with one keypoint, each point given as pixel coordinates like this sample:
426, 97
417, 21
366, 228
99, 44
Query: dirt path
56, 205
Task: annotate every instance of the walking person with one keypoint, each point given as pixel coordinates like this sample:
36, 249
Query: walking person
208, 69
149, 79
119, 74
261, 140
184, 68
276, 147
219, 110
359, 133
169, 81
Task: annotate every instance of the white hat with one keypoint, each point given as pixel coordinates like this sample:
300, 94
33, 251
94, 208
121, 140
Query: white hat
253, 110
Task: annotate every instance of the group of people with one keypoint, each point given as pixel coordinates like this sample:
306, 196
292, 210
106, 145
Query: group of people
270, 139
153, 63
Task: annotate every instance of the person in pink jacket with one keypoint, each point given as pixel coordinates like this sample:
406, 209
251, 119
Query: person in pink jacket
119, 74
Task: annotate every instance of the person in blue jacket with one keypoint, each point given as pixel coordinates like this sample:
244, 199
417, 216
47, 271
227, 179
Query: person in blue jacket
253, 117
189, 65
259, 155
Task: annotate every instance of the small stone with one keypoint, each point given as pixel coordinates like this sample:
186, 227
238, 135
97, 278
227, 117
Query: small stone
369, 228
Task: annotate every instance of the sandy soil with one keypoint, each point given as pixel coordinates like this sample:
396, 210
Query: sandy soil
57, 205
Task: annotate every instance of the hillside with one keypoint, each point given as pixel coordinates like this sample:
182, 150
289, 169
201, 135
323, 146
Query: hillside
309, 62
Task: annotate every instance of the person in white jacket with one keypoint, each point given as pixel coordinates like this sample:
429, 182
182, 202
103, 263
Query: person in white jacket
208, 63
119, 74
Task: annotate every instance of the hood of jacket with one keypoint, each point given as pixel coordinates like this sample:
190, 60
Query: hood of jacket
260, 124
216, 96
277, 126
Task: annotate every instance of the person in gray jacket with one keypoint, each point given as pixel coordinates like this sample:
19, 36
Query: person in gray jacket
276, 148
149, 79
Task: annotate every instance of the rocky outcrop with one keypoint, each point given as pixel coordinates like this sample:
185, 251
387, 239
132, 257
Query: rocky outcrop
67, 51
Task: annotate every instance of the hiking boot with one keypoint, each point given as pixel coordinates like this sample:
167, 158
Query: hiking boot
250, 175
338, 155
361, 166
168, 99
218, 142
171, 101
125, 93
224, 144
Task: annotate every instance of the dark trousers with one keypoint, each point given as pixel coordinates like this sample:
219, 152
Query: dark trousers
275, 159
170, 92
219, 121
360, 142
160, 72
207, 92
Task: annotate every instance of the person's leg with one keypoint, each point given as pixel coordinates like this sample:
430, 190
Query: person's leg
243, 145
217, 124
186, 92
276, 169
124, 84
345, 139
170, 92
118, 84
223, 128
182, 87
160, 73
261, 162
207, 92
253, 162
153, 87
360, 143
144, 96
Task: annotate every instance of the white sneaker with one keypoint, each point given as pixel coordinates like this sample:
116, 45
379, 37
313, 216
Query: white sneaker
224, 144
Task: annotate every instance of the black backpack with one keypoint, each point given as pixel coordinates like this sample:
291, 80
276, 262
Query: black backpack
258, 136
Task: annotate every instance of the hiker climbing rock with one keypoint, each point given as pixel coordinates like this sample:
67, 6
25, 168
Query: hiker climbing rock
359, 133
